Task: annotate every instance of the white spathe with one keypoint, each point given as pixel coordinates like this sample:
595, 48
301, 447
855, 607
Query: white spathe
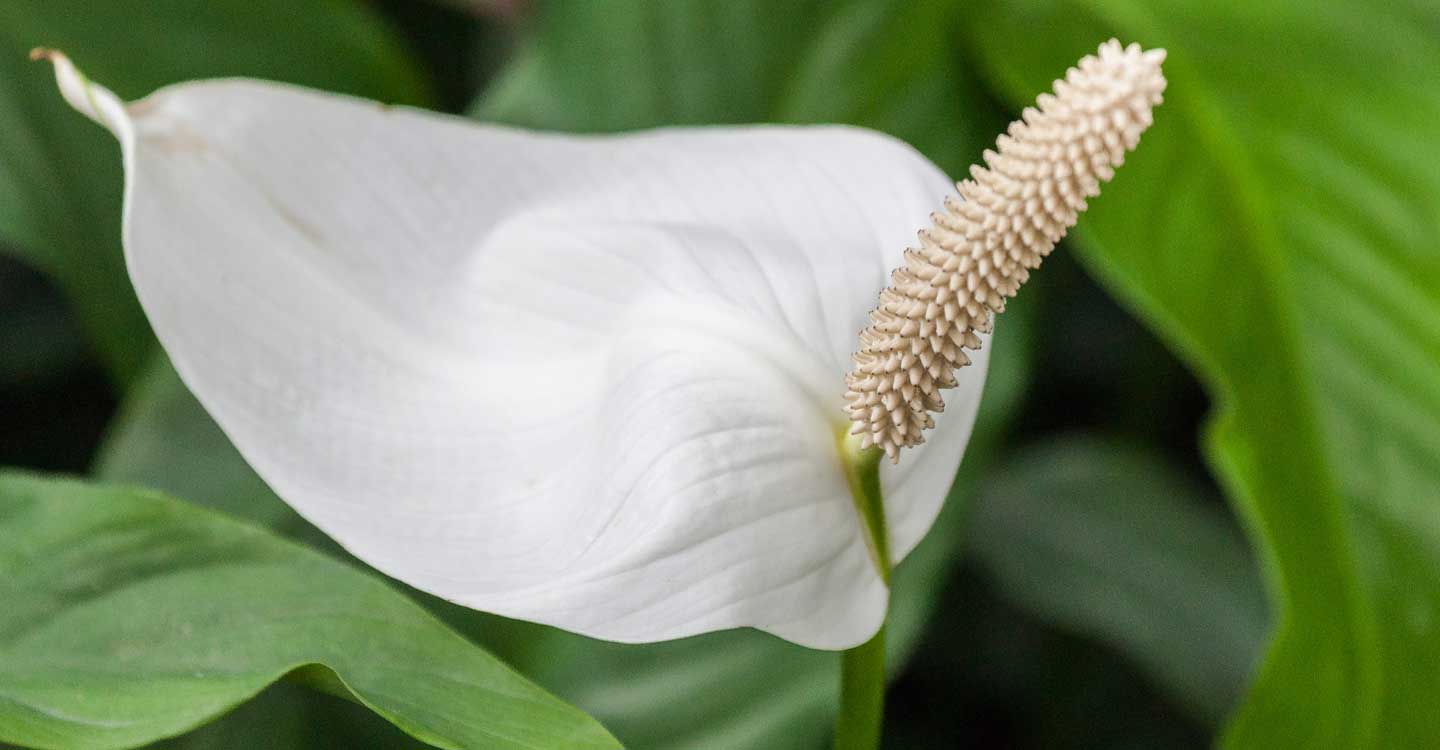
589, 381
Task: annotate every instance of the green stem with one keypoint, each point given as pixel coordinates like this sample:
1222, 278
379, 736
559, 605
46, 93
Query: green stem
862, 669
862, 695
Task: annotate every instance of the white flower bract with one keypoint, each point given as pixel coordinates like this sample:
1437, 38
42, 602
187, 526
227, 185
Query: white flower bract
589, 381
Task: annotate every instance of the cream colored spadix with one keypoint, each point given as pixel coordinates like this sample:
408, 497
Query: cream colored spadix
982, 246
586, 381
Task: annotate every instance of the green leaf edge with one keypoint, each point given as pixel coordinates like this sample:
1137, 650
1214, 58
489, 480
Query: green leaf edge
1224, 442
311, 674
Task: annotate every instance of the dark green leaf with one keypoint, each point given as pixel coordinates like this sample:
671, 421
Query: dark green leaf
1108, 540
633, 63
886, 65
287, 716
893, 67
1277, 226
130, 617
60, 174
37, 336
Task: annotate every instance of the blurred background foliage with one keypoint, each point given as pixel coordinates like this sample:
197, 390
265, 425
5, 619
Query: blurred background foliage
1203, 500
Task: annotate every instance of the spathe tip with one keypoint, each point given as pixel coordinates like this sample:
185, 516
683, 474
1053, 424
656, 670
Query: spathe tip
90, 99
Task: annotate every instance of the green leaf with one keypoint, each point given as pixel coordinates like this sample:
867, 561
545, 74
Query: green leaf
892, 66
60, 176
1277, 226
632, 64
130, 617
288, 716
1106, 539
36, 335
887, 65
162, 439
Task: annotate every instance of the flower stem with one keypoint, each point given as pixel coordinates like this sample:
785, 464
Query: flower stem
862, 695
862, 669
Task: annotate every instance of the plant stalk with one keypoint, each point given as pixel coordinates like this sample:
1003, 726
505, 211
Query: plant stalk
862, 669
862, 695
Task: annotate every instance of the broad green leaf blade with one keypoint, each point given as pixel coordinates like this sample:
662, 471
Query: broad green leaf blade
888, 65
1277, 226
892, 66
130, 617
1107, 539
59, 174
635, 64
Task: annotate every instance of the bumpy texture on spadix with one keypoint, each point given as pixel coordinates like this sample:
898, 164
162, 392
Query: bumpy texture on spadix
587, 381
982, 246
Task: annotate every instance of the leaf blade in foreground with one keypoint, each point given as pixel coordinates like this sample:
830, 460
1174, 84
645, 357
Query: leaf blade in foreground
131, 617
1276, 228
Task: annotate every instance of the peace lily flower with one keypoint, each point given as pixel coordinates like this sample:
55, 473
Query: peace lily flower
598, 382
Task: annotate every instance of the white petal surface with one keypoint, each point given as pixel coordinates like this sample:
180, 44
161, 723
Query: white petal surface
587, 381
